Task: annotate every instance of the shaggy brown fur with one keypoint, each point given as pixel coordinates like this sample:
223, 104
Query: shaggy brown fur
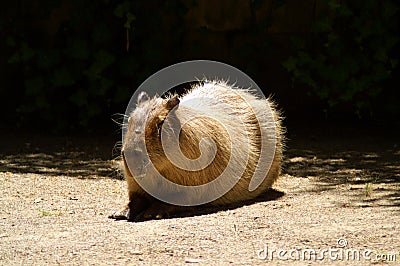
144, 133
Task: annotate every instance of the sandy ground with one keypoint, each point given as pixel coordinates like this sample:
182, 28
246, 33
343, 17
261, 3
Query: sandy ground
337, 202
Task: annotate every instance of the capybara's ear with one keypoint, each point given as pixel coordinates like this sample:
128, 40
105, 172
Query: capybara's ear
143, 96
171, 103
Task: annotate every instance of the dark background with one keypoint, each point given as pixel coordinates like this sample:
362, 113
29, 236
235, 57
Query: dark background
69, 67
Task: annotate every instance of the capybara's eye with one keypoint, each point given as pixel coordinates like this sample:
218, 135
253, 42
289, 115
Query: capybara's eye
159, 124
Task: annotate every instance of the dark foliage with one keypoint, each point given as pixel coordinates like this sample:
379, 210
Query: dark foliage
349, 57
71, 65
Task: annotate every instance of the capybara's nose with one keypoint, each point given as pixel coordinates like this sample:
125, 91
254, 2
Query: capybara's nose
136, 161
135, 153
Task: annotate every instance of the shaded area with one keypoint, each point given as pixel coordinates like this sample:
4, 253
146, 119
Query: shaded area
363, 160
345, 166
77, 156
74, 164
355, 159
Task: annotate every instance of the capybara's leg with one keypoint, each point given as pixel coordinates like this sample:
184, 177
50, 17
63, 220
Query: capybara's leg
160, 210
122, 214
137, 204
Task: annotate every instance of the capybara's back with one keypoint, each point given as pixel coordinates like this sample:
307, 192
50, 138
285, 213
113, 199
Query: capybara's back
215, 144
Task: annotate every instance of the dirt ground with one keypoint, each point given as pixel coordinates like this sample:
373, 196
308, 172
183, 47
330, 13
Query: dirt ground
337, 202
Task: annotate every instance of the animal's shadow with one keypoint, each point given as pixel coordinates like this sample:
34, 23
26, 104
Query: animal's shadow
206, 209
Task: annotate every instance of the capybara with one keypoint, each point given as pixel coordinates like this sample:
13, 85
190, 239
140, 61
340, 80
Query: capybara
217, 127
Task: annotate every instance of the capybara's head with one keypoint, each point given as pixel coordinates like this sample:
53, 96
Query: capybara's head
142, 139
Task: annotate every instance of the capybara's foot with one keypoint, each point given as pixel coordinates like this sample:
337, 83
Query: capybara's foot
142, 210
155, 211
136, 206
160, 210
123, 214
